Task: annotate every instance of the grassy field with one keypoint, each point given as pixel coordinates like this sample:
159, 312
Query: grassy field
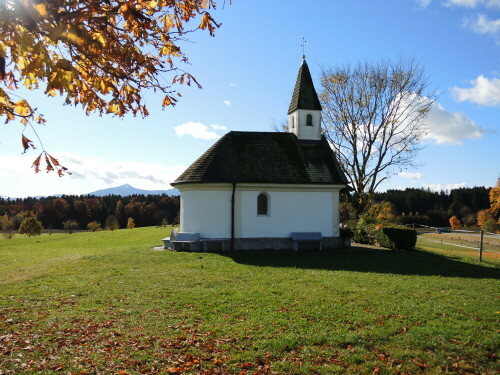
106, 303
463, 246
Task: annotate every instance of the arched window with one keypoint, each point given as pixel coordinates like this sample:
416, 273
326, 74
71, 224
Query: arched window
293, 122
309, 120
262, 204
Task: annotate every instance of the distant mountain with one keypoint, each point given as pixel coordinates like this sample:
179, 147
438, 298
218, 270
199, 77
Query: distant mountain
126, 189
123, 190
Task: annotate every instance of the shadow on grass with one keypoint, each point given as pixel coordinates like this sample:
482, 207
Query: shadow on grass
361, 259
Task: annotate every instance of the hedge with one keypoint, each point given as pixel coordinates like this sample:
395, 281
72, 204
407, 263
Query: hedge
392, 237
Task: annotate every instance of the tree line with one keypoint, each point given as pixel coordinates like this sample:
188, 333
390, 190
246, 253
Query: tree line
54, 212
468, 207
471, 206
424, 206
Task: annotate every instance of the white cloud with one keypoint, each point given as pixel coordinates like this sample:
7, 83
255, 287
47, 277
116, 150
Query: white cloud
473, 3
483, 25
439, 187
423, 3
196, 130
145, 175
484, 91
87, 174
450, 127
227, 102
233, 84
410, 175
218, 127
463, 3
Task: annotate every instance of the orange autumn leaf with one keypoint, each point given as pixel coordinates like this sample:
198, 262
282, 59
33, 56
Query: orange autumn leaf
27, 143
36, 163
102, 57
175, 370
54, 160
49, 166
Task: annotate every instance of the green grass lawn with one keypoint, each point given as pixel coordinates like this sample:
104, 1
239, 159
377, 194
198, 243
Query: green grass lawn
105, 302
455, 247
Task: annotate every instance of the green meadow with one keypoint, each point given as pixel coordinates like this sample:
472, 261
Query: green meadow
107, 303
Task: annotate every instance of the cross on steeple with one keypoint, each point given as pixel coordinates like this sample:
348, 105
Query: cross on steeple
303, 47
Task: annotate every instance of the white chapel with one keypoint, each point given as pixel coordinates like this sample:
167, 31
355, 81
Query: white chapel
254, 189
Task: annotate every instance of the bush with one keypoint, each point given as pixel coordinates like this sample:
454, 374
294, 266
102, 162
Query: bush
393, 236
94, 226
364, 231
455, 223
396, 238
112, 223
31, 227
130, 223
70, 226
491, 226
7, 226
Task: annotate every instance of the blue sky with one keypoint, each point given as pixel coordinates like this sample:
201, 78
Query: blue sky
248, 72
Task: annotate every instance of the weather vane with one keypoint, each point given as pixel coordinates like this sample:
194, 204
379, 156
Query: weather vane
303, 48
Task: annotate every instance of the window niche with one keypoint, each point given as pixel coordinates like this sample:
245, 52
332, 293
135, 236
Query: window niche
309, 120
262, 204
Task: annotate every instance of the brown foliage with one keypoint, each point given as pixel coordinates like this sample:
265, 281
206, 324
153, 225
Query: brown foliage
100, 55
130, 223
495, 200
7, 226
483, 216
455, 223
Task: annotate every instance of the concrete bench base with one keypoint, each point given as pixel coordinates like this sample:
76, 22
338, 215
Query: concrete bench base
222, 242
306, 237
191, 240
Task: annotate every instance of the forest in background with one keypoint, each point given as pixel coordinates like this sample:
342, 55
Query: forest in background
419, 206
52, 212
423, 206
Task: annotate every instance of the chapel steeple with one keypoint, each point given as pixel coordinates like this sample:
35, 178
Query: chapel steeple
304, 113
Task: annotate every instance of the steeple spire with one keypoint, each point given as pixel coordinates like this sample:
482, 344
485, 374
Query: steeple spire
303, 48
304, 113
304, 95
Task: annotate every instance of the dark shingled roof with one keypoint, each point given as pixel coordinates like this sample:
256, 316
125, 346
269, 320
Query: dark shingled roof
265, 157
304, 95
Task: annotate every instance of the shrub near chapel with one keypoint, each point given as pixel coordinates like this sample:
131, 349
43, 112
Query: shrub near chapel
394, 237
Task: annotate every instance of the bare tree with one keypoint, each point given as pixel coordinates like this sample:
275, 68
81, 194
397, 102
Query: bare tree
373, 116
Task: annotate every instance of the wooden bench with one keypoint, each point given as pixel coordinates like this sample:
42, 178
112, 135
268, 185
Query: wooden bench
187, 238
310, 237
167, 241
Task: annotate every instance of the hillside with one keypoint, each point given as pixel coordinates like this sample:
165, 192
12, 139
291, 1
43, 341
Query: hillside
127, 190
106, 302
